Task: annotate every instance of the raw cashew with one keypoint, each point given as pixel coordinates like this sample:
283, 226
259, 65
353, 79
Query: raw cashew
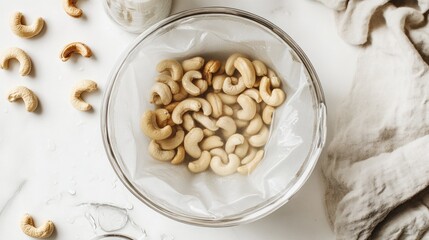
201, 164
202, 85
220, 152
187, 84
241, 123
44, 231
173, 141
183, 107
229, 65
151, 129
216, 104
188, 122
18, 54
174, 67
205, 105
211, 143
274, 80
162, 117
211, 67
273, 98
180, 155
260, 68
254, 94
227, 125
261, 138
267, 114
233, 141
25, 31
227, 110
233, 89
249, 167
71, 9
160, 94
241, 150
192, 139
248, 108
247, 71
81, 87
159, 154
29, 98
254, 126
250, 156
75, 47
217, 82
173, 85
227, 99
193, 64
205, 121
208, 133
182, 93
223, 169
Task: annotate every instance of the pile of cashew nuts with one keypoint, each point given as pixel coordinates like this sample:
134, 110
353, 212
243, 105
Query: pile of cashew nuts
213, 114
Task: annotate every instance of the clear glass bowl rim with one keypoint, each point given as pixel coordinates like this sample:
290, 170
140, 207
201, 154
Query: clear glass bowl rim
270, 205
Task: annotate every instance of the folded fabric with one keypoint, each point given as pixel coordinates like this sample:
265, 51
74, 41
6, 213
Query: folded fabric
377, 167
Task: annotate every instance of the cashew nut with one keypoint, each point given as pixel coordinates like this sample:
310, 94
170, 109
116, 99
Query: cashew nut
275, 81
29, 98
174, 67
233, 89
227, 110
75, 47
211, 67
162, 117
250, 156
227, 125
241, 150
18, 54
247, 71
81, 87
180, 155
254, 126
211, 142
216, 104
193, 64
229, 65
170, 107
151, 129
208, 133
248, 108
205, 121
182, 93
159, 154
241, 123
223, 169
254, 94
188, 85
160, 94
172, 142
260, 68
249, 167
44, 231
25, 31
227, 99
183, 107
220, 152
233, 141
201, 164
273, 98
205, 105
217, 82
188, 122
261, 138
202, 85
71, 9
192, 139
173, 85
267, 114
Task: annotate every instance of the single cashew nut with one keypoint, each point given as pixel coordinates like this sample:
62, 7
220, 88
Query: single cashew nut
172, 142
192, 139
247, 71
187, 84
216, 104
182, 93
29, 98
223, 169
227, 124
205, 105
233, 141
250, 156
273, 98
241, 150
151, 129
205, 121
220, 152
254, 94
248, 108
44, 231
71, 9
211, 142
261, 138
208, 133
274, 80
217, 82
183, 107
160, 94
254, 126
188, 122
81, 87
227, 110
201, 164
174, 67
233, 89
75, 47
25, 31
260, 68
249, 167
229, 65
267, 114
173, 85
162, 117
193, 64
159, 154
227, 99
180, 156
18, 54
211, 67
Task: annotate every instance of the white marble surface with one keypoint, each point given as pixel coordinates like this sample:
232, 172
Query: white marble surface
52, 162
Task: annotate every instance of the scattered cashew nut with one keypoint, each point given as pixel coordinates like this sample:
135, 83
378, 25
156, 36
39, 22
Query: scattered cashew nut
75, 47
211, 142
254, 94
273, 98
250, 156
260, 68
254, 126
220, 152
216, 104
188, 122
25, 31
172, 142
192, 139
229, 65
71, 9
183, 107
174, 67
180, 156
18, 54
233, 89
201, 164
44, 231
173, 85
247, 71
217, 82
205, 121
158, 153
267, 114
187, 84
249, 167
81, 87
160, 94
29, 98
211, 67
151, 129
222, 169
193, 64
248, 106
205, 105
261, 138
233, 141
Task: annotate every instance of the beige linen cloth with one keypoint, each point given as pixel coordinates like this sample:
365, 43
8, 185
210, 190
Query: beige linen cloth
377, 167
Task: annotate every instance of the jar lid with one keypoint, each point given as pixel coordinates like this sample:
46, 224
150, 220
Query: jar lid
112, 237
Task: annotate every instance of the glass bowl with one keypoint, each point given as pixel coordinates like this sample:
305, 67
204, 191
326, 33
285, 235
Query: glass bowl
297, 133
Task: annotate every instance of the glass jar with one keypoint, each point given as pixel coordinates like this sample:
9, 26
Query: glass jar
137, 15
